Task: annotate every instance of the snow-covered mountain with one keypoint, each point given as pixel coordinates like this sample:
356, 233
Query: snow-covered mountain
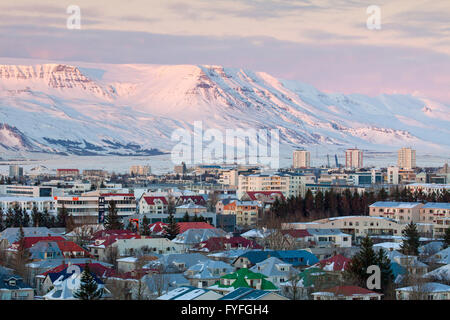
89, 109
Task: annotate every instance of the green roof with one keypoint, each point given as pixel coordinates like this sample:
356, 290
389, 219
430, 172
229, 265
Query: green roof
241, 277
310, 275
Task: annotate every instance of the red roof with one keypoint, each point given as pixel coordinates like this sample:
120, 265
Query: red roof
117, 195
70, 246
157, 227
196, 199
218, 243
31, 241
296, 233
110, 239
97, 268
255, 195
151, 200
340, 263
105, 233
194, 225
349, 291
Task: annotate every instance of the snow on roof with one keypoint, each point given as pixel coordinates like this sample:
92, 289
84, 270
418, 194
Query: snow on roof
436, 205
441, 274
395, 204
389, 245
428, 287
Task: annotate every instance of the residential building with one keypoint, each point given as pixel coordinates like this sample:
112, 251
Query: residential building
140, 170
205, 274
28, 203
357, 226
64, 173
243, 278
153, 205
428, 188
13, 287
347, 293
438, 214
246, 212
330, 238
252, 294
85, 208
403, 212
353, 158
190, 293
15, 172
276, 270
406, 158
229, 178
427, 291
301, 159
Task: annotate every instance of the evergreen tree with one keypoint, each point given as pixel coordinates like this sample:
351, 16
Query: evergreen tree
36, 217
9, 221
17, 219
25, 218
88, 287
186, 217
145, 231
2, 224
447, 238
366, 257
172, 229
112, 219
61, 217
410, 245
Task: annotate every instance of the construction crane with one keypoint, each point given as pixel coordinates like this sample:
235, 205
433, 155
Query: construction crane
328, 159
336, 159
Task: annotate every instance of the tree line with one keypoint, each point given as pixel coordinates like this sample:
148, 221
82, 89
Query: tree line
332, 203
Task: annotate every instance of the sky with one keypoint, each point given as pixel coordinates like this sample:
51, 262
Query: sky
325, 43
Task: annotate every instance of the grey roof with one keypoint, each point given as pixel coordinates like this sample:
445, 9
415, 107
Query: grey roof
210, 269
12, 234
165, 282
193, 236
269, 267
169, 261
428, 287
183, 293
442, 256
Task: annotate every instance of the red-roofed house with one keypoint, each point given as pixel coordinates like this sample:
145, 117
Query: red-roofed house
106, 233
157, 228
347, 293
335, 263
28, 242
98, 248
153, 205
193, 225
223, 243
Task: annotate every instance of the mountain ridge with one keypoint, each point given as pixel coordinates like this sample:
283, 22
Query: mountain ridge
101, 109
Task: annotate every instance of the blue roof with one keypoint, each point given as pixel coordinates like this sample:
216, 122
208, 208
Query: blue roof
397, 269
294, 257
245, 294
437, 205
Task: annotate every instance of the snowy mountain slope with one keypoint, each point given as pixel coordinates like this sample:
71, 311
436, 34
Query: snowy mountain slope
89, 109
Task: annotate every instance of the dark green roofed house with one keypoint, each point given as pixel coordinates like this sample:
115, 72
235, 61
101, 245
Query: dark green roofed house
243, 278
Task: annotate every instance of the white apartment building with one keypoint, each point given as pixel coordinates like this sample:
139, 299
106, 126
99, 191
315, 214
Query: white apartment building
353, 158
153, 205
437, 214
403, 212
392, 175
85, 208
26, 191
28, 203
287, 183
357, 226
406, 158
229, 178
428, 188
301, 159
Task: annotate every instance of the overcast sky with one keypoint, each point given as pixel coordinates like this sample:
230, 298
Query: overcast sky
325, 43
